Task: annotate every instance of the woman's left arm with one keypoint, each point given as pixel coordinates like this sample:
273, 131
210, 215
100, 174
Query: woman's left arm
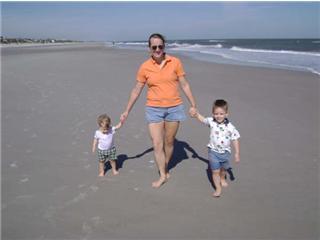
187, 91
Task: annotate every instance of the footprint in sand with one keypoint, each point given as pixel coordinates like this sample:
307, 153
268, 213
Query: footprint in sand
24, 180
14, 165
78, 198
137, 136
96, 221
86, 228
24, 197
34, 135
81, 186
94, 188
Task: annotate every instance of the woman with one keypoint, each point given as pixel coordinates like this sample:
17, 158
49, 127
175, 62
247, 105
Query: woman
163, 75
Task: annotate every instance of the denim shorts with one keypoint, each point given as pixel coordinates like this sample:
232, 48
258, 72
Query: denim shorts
170, 114
219, 160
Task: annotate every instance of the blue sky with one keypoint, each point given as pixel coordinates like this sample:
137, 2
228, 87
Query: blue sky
120, 21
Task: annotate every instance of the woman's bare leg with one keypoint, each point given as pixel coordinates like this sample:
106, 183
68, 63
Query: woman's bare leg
171, 129
157, 136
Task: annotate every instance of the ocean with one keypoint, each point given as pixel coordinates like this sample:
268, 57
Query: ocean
293, 54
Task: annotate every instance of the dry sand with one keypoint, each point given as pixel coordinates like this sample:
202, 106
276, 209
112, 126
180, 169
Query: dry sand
51, 97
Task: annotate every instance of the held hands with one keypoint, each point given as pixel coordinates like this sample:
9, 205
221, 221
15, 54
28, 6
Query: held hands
193, 112
124, 117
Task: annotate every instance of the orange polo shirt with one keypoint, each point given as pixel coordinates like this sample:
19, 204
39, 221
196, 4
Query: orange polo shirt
163, 83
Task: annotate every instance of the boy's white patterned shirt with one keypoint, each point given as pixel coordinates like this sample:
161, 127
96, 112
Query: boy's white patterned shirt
221, 134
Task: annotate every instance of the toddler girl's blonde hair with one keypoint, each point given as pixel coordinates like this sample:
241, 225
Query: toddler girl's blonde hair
102, 118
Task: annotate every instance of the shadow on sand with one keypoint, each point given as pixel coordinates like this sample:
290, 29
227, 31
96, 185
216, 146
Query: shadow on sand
179, 155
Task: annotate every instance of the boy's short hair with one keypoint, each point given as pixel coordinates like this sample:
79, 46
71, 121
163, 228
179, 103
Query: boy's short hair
103, 117
221, 103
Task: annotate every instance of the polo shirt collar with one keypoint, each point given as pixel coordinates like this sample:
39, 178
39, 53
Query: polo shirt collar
225, 121
167, 58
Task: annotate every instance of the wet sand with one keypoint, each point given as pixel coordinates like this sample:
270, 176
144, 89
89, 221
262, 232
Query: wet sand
51, 97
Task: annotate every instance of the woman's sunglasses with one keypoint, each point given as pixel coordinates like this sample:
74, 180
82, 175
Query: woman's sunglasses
155, 47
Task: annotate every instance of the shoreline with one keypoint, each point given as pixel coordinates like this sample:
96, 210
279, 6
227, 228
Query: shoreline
27, 45
181, 55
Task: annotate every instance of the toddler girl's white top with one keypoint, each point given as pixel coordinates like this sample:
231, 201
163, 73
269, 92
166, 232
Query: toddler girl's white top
105, 140
221, 134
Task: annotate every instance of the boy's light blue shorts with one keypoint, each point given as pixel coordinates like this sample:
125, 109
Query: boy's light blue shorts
170, 114
219, 160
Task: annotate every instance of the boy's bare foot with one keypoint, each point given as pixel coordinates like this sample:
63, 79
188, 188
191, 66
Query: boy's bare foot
101, 174
158, 183
224, 183
115, 172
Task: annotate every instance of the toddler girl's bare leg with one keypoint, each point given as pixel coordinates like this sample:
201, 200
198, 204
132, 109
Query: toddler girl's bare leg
223, 178
101, 169
114, 167
217, 182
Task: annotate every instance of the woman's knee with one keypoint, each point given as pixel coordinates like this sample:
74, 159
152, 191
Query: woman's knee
169, 141
157, 145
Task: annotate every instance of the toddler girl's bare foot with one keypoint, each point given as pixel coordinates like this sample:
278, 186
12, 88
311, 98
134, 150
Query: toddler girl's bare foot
167, 175
224, 183
158, 183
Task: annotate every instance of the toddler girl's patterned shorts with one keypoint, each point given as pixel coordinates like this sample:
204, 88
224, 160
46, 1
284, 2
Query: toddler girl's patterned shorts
104, 155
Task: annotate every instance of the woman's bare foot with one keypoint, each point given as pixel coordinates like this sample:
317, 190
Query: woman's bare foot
158, 183
217, 193
115, 172
224, 183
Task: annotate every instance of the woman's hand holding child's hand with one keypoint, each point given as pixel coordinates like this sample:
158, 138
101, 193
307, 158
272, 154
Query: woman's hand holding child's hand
193, 112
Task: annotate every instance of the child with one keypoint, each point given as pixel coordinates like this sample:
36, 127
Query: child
221, 135
104, 139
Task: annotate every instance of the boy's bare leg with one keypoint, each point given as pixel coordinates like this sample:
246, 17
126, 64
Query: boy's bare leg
223, 178
217, 182
101, 169
114, 167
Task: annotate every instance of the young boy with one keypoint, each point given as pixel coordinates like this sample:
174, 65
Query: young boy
104, 139
222, 134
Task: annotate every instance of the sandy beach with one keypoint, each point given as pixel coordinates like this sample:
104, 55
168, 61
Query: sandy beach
51, 97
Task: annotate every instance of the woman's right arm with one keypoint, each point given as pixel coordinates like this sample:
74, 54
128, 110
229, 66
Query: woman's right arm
135, 93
